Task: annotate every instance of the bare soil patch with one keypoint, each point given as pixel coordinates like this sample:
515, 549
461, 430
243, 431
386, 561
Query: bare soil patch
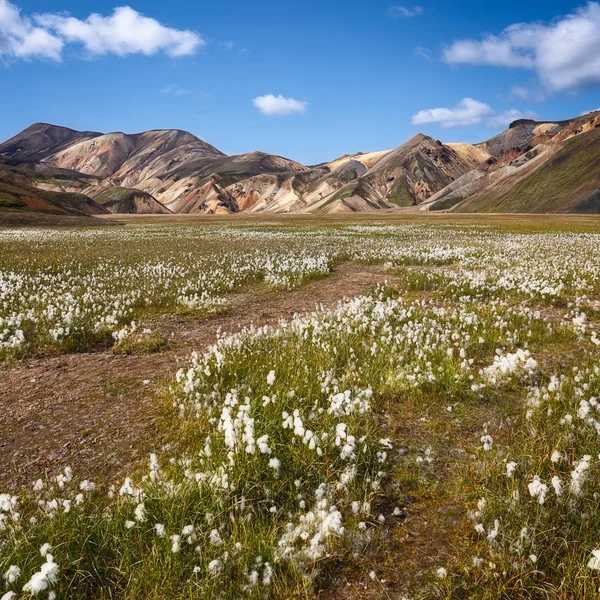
98, 412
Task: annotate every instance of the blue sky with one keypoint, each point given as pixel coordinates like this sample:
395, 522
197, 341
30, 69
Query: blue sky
352, 76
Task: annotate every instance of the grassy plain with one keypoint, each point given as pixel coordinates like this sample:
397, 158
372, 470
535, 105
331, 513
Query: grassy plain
433, 435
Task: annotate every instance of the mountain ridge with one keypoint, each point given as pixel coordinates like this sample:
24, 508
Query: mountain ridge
172, 170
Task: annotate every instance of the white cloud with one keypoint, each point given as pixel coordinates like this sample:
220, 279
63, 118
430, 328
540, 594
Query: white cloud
125, 31
490, 51
402, 12
565, 53
468, 112
20, 38
278, 106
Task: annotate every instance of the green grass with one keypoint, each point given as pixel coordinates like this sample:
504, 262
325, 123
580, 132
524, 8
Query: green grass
559, 185
374, 411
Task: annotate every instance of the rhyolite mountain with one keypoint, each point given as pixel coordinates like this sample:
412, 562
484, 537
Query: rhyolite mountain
531, 167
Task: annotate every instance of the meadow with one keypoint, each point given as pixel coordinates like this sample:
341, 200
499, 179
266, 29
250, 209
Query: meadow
436, 436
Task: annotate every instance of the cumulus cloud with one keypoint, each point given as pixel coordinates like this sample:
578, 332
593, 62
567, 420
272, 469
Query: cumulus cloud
403, 12
468, 112
123, 32
21, 38
564, 53
279, 106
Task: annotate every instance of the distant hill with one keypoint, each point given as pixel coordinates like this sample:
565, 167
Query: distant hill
533, 168
19, 191
129, 201
530, 167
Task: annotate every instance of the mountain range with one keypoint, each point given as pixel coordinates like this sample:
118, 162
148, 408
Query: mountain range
532, 167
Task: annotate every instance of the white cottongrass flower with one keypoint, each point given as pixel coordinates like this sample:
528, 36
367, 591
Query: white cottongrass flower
87, 486
43, 579
511, 467
140, 513
557, 485
271, 378
579, 475
487, 442
442, 573
538, 490
215, 567
215, 538
12, 574
45, 549
594, 562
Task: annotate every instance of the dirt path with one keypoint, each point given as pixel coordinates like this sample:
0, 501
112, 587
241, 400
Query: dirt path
97, 412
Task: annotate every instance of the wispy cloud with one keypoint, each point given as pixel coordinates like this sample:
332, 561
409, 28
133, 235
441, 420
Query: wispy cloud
402, 12
175, 90
565, 53
279, 106
469, 112
123, 32
527, 94
423, 52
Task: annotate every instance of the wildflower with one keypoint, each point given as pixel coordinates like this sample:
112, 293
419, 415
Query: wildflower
87, 486
487, 442
594, 562
556, 456
44, 578
175, 543
511, 468
271, 378
140, 513
557, 485
12, 574
160, 530
214, 567
263, 444
215, 538
45, 549
442, 573
129, 524
538, 490
579, 475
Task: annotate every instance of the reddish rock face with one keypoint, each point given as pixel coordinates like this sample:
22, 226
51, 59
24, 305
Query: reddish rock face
174, 171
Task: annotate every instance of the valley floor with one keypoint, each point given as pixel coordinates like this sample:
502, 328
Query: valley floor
98, 411
377, 407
